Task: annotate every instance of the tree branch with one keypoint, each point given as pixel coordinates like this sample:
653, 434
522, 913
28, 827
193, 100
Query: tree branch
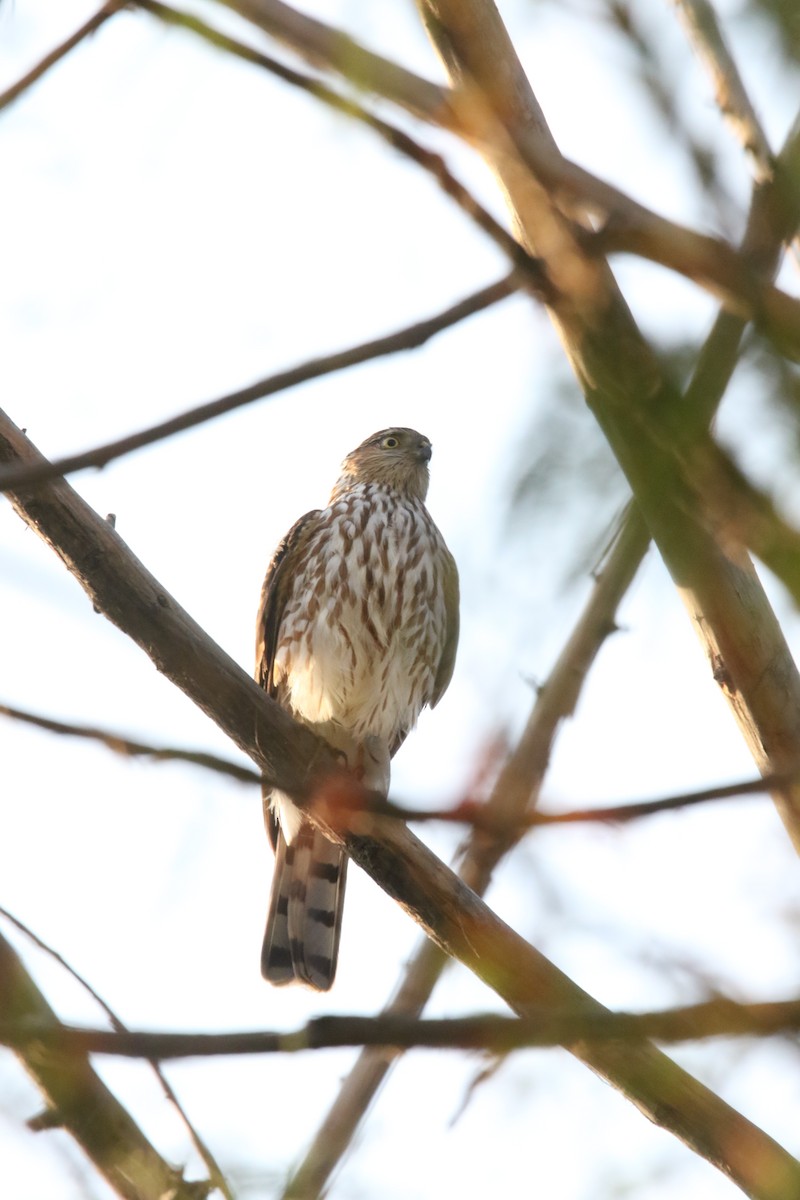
704, 33
528, 267
495, 1034
296, 761
664, 457
55, 56
518, 786
327, 48
410, 338
133, 749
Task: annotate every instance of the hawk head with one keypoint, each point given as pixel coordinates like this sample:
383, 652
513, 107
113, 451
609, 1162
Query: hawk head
396, 458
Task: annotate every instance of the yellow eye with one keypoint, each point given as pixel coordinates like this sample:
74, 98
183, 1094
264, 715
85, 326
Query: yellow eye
390, 443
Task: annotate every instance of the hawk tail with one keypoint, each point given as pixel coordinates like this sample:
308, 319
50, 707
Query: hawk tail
301, 941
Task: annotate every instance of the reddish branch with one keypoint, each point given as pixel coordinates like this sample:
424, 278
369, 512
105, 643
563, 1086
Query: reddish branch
493, 818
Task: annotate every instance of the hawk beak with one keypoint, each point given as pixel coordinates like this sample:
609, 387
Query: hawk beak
424, 452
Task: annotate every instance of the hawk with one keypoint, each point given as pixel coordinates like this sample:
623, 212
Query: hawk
356, 633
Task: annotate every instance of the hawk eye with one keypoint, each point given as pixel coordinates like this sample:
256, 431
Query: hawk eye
390, 443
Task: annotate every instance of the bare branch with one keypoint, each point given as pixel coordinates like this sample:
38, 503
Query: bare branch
483, 818
217, 1180
132, 749
327, 48
497, 1034
292, 757
410, 338
55, 56
703, 29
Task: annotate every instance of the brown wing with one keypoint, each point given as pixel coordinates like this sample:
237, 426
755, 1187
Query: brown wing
447, 662
274, 592
276, 587
448, 659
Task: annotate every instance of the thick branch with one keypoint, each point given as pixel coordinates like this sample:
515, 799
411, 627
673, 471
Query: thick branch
669, 467
448, 911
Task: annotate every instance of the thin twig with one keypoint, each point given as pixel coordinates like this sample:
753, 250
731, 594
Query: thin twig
409, 338
35, 74
493, 817
703, 29
133, 749
480, 817
216, 1177
498, 1034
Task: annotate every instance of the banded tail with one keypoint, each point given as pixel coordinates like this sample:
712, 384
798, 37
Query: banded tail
301, 941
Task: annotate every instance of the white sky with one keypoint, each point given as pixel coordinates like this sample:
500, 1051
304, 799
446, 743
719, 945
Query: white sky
174, 226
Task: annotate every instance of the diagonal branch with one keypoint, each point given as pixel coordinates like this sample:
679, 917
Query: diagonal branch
410, 338
661, 452
325, 47
300, 764
55, 56
636, 228
703, 30
133, 749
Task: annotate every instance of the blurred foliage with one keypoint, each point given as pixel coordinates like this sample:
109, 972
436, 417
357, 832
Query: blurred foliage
784, 17
564, 482
653, 74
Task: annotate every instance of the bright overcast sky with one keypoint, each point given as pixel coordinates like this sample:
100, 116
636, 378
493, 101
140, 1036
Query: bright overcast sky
176, 225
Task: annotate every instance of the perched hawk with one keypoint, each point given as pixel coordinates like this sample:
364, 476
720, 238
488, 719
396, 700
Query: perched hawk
356, 633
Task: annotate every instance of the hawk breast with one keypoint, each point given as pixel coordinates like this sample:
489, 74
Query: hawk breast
364, 626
